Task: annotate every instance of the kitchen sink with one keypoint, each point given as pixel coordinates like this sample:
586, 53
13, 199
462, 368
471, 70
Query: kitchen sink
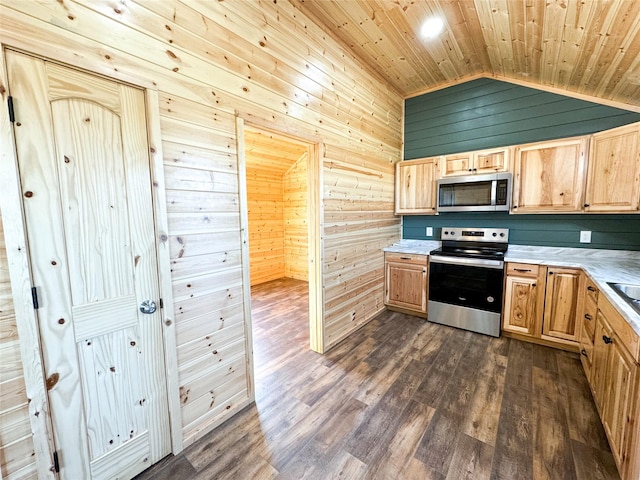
630, 293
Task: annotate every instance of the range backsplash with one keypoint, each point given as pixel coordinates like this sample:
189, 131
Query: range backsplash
616, 232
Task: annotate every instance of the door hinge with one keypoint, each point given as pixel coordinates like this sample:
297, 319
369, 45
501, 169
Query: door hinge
34, 297
161, 304
12, 115
56, 462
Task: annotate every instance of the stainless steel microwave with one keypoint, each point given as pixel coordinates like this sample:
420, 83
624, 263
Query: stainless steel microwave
475, 193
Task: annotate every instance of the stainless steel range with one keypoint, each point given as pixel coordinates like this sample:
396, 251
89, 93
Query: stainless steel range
466, 279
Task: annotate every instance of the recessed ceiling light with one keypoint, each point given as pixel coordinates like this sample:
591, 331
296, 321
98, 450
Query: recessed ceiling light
432, 27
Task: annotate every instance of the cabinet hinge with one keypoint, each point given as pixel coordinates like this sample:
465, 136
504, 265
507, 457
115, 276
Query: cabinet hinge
34, 297
56, 462
12, 115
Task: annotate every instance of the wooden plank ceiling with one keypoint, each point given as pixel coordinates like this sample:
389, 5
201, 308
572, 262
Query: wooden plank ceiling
272, 153
588, 47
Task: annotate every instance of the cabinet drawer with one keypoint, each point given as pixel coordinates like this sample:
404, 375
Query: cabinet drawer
406, 258
589, 317
522, 269
591, 291
626, 335
586, 349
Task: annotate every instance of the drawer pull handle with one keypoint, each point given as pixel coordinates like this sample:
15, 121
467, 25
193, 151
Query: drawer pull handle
588, 317
405, 258
584, 352
607, 340
591, 289
522, 269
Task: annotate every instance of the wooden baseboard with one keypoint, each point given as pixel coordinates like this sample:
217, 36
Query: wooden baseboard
541, 341
407, 311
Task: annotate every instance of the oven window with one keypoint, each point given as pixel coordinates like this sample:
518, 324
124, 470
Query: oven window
470, 194
467, 286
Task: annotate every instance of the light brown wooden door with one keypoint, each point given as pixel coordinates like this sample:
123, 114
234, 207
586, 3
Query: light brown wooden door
613, 179
84, 164
521, 305
619, 398
549, 176
561, 304
415, 186
406, 286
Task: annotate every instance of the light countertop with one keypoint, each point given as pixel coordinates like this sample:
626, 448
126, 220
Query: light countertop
602, 266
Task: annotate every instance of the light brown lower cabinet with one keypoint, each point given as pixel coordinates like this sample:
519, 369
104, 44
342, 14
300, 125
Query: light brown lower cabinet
541, 304
561, 321
589, 312
523, 299
406, 278
614, 380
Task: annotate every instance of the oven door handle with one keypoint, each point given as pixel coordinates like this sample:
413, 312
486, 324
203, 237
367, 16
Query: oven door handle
471, 262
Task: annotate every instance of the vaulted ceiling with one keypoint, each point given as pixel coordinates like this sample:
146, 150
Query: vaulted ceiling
589, 47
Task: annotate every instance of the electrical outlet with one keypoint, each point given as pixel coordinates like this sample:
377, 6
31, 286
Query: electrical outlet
585, 236
429, 231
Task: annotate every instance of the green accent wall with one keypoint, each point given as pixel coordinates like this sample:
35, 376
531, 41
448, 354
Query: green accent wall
487, 113
615, 232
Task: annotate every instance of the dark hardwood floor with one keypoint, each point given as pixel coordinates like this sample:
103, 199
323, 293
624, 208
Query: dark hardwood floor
400, 399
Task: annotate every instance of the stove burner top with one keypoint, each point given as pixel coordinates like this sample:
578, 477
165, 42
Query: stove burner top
488, 243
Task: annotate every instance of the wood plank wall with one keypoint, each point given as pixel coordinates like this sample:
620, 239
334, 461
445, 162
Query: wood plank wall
296, 220
266, 223
488, 113
271, 65
16, 444
358, 223
201, 180
278, 220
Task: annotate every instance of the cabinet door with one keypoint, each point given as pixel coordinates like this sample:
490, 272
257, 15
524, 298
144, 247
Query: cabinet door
618, 398
457, 164
549, 177
613, 179
488, 161
406, 286
415, 186
561, 304
521, 305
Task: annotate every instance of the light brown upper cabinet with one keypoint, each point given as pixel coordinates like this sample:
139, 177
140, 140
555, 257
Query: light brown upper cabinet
613, 178
549, 176
482, 161
416, 186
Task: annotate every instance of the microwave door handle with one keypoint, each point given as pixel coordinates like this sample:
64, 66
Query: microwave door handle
494, 188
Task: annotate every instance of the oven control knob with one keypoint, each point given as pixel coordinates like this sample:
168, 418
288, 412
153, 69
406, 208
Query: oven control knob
446, 232
490, 299
495, 234
452, 232
502, 234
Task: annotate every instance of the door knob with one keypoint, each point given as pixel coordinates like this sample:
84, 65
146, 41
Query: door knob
148, 307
